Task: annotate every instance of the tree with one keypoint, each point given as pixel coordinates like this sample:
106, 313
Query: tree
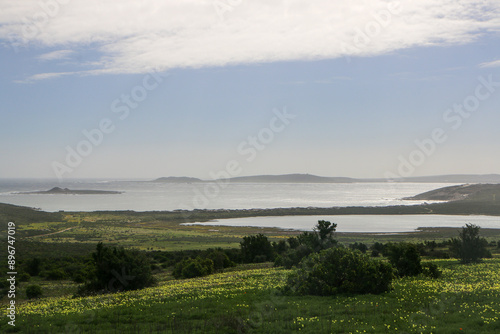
33, 291
321, 237
118, 269
308, 242
256, 248
56, 274
377, 249
339, 270
469, 247
325, 230
359, 246
190, 268
220, 259
405, 258
33, 267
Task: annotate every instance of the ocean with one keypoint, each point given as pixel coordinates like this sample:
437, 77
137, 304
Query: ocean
151, 196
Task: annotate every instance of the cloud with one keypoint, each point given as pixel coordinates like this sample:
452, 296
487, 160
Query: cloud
495, 63
44, 76
60, 54
135, 36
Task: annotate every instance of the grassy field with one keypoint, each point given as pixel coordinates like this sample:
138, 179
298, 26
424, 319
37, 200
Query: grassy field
45, 234
465, 300
247, 298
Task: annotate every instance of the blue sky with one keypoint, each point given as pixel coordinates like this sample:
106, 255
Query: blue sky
217, 78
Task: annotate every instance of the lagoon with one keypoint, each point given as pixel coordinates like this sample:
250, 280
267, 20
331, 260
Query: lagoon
361, 223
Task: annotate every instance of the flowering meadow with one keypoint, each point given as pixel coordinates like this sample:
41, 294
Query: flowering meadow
466, 299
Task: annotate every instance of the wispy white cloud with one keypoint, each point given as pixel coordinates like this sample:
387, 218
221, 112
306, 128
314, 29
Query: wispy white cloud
134, 36
495, 63
55, 55
44, 76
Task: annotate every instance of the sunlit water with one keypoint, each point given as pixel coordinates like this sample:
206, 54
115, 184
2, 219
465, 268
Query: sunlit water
362, 223
147, 196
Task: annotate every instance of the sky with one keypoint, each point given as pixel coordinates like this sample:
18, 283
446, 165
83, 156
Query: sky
217, 88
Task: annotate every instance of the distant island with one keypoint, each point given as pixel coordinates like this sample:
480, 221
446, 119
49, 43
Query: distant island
173, 179
308, 178
66, 191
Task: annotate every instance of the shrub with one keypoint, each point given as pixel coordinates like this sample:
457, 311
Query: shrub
190, 268
469, 247
405, 258
307, 243
375, 253
339, 270
256, 248
33, 291
56, 275
33, 266
79, 278
220, 259
118, 269
293, 256
321, 237
359, 246
280, 247
431, 270
378, 247
439, 254
293, 242
24, 277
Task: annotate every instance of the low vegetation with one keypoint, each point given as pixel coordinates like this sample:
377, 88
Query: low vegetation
117, 269
469, 247
339, 270
269, 281
465, 299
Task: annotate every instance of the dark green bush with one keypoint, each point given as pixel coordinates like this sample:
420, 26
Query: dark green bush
56, 274
377, 248
24, 277
118, 269
405, 257
306, 243
469, 247
33, 291
280, 247
79, 278
256, 248
359, 246
375, 253
293, 256
220, 259
33, 266
339, 270
190, 268
431, 270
